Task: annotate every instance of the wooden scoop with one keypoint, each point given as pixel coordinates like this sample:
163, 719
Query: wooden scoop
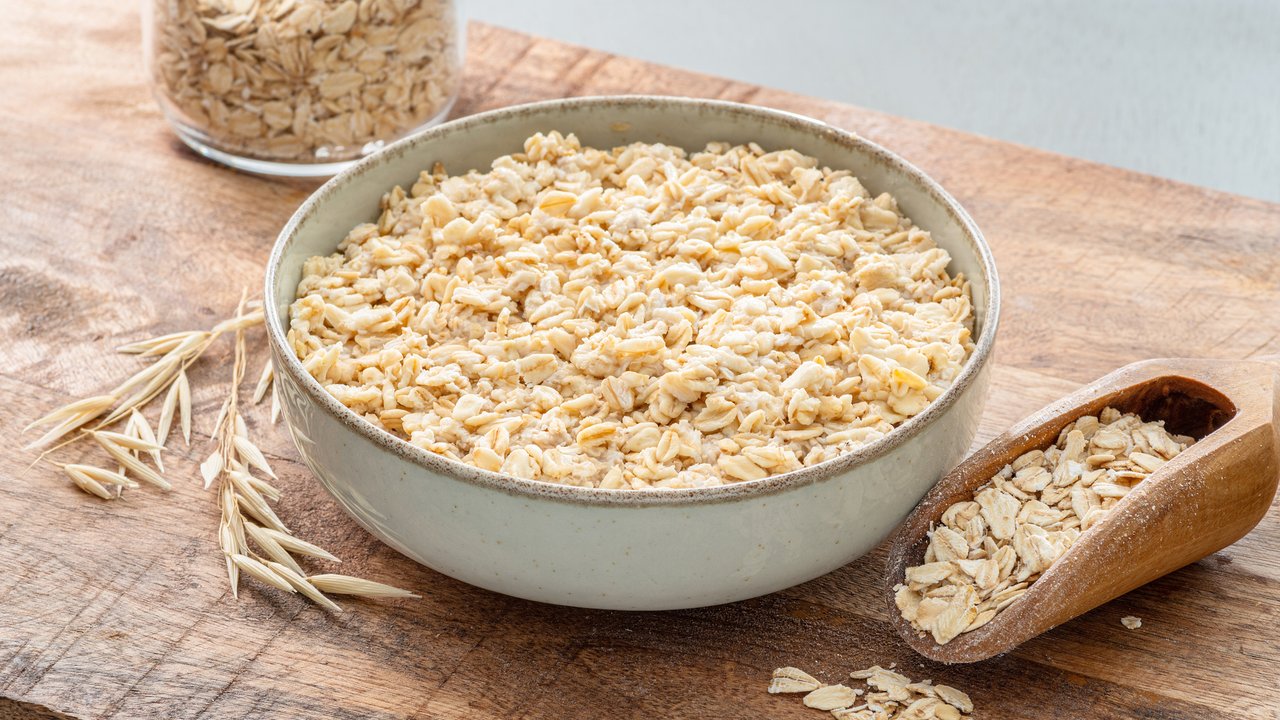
1202, 500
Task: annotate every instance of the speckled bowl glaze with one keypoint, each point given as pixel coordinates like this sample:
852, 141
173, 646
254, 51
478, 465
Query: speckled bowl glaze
625, 549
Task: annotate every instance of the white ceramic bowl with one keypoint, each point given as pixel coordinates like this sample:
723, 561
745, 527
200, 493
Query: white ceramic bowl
624, 549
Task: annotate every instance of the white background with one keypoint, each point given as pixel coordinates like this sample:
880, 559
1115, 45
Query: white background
1185, 89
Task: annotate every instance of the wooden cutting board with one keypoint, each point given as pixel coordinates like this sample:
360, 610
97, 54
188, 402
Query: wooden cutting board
113, 232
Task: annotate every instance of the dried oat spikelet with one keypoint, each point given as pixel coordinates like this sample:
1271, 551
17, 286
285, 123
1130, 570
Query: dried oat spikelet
261, 572
275, 405
176, 402
100, 475
299, 547
139, 428
347, 585
175, 352
254, 541
157, 345
299, 582
270, 546
119, 446
86, 482
70, 417
265, 379
267, 386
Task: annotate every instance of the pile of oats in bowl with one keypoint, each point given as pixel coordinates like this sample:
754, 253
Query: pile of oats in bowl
639, 317
989, 550
303, 80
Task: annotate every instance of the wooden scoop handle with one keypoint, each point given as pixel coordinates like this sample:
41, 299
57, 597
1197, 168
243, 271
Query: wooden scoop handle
1201, 501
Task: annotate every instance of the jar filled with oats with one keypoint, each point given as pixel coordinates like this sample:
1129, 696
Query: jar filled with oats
301, 87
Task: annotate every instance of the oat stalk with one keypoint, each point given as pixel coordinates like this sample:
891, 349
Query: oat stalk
254, 541
138, 442
176, 352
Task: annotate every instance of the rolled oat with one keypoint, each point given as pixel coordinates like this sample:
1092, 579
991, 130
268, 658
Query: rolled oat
990, 549
889, 696
636, 317
303, 80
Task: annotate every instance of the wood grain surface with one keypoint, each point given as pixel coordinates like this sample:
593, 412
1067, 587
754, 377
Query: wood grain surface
114, 232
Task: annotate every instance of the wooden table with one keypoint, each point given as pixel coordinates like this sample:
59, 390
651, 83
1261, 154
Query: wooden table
114, 232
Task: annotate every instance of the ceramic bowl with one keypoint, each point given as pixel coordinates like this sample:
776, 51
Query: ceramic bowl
625, 549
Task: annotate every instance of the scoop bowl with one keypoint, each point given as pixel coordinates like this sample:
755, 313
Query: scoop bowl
1204, 499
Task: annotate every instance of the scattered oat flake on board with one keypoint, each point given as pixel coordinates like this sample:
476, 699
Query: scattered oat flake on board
954, 697
830, 697
889, 696
1131, 622
792, 680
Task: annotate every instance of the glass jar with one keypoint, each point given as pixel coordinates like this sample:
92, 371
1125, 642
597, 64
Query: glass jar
301, 87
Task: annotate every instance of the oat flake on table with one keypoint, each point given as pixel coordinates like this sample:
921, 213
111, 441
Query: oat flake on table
636, 317
889, 695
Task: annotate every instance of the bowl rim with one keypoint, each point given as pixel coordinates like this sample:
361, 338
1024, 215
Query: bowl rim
284, 358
